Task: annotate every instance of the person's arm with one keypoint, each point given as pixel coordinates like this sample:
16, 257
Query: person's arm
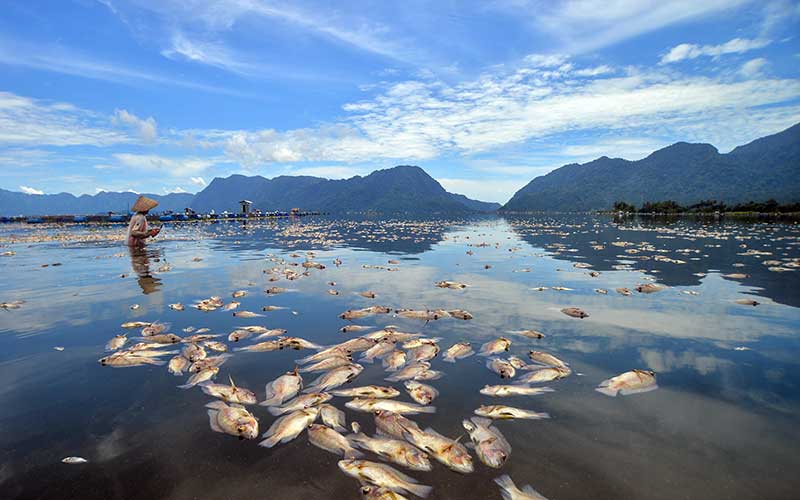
136, 230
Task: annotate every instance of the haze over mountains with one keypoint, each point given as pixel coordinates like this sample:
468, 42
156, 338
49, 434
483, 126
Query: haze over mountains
402, 189
686, 173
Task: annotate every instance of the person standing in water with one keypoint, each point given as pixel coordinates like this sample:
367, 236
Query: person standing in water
137, 228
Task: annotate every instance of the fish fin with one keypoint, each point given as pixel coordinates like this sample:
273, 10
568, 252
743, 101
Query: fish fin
427, 409
419, 490
528, 489
481, 421
216, 405
186, 386
275, 410
269, 442
608, 391
212, 420
627, 392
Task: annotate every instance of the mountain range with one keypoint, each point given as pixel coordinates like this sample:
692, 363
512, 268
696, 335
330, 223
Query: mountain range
403, 189
683, 172
686, 173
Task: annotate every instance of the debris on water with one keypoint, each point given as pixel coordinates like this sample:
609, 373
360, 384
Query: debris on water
74, 460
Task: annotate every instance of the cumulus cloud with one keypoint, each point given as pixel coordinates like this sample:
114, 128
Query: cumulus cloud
176, 189
198, 181
691, 51
145, 127
30, 190
173, 167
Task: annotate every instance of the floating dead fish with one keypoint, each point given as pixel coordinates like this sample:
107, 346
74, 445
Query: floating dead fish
367, 391
154, 329
209, 362
330, 440
332, 417
400, 407
383, 475
510, 492
215, 346
513, 390
447, 451
329, 363
394, 360
747, 302
198, 337
247, 314
230, 306
491, 446
368, 294
649, 288
495, 346
421, 393
301, 402
632, 382
459, 350
194, 352
164, 338
274, 290
74, 460
394, 450
503, 412
333, 292
177, 365
239, 293
201, 376
460, 314
353, 328
561, 289
232, 419
335, 378
135, 324
455, 285
177, 306
545, 358
229, 393
58, 348
289, 427
623, 291
531, 334
544, 375
601, 291
134, 307
575, 312
283, 388
116, 342
501, 367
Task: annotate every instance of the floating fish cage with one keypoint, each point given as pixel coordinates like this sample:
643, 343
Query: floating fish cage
119, 218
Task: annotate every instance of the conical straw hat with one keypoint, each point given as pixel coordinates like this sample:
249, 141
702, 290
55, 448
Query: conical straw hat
143, 204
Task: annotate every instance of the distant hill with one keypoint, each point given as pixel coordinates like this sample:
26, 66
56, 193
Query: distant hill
14, 203
686, 173
403, 189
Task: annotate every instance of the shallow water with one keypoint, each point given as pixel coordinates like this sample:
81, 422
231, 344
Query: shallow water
721, 425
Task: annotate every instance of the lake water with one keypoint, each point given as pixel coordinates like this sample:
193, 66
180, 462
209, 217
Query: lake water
723, 423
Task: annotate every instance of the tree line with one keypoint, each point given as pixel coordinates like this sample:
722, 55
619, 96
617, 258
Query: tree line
707, 206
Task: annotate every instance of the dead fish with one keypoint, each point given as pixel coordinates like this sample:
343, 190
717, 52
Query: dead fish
451, 284
460, 314
272, 332
330, 440
352, 314
269, 345
154, 329
194, 352
624, 291
272, 308
447, 451
135, 324
198, 337
247, 314
632, 382
116, 342
421, 393
289, 427
504, 412
230, 306
301, 402
393, 450
298, 343
495, 346
531, 334
274, 290
239, 293
333, 292
209, 362
409, 372
501, 367
164, 338
561, 289
237, 335
283, 388
201, 376
459, 350
575, 312
232, 419
400, 407
424, 352
127, 359
58, 348
545, 358
332, 417
177, 306
74, 460
368, 391
335, 378
353, 328
368, 294
393, 424
649, 288
215, 346
379, 350
513, 390
328, 363
229, 393
544, 375
177, 364
134, 307
510, 492
747, 302
394, 360
383, 475
491, 446
601, 291
736, 276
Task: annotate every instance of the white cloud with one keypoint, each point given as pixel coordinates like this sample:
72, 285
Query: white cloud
753, 67
545, 60
30, 190
331, 172
145, 128
198, 181
691, 51
176, 189
28, 121
595, 71
173, 167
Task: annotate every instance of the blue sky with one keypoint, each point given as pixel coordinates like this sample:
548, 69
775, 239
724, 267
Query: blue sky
162, 96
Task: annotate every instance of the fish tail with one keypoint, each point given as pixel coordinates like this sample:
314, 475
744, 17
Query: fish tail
186, 386
427, 409
507, 486
419, 490
270, 441
608, 391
